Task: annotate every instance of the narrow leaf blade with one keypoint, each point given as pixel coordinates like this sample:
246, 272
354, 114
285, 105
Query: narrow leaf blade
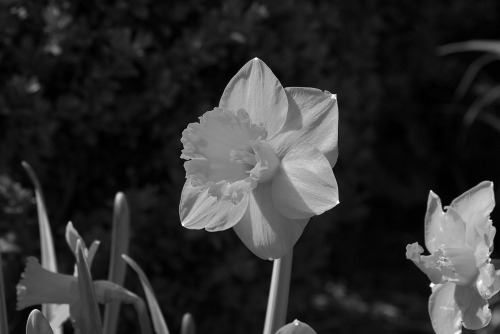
119, 245
48, 254
90, 318
159, 324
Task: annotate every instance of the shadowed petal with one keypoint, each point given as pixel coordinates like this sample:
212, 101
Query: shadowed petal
313, 118
198, 209
475, 311
256, 89
304, 184
266, 232
444, 312
440, 228
475, 206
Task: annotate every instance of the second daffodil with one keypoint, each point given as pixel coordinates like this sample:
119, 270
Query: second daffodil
460, 241
261, 162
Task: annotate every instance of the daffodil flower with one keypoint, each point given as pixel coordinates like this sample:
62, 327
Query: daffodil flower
460, 241
261, 162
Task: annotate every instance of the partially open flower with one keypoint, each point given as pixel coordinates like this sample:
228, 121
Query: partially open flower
460, 241
261, 162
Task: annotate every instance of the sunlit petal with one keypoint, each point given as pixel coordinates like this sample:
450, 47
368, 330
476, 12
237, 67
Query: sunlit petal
304, 185
312, 120
475, 206
440, 228
198, 209
266, 232
475, 311
256, 89
445, 314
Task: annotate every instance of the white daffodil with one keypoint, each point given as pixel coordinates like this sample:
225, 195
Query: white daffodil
460, 241
261, 162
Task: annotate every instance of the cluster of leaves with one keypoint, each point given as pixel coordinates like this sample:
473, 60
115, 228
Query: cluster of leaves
95, 96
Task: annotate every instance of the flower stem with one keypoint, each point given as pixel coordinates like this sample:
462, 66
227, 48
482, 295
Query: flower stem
278, 294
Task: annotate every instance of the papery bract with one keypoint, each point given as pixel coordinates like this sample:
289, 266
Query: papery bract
261, 162
460, 241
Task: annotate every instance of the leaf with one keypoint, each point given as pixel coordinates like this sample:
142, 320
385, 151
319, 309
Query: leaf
159, 323
37, 324
48, 256
119, 245
473, 45
90, 318
188, 326
3, 309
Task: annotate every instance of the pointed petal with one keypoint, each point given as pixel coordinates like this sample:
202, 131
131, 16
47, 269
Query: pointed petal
304, 185
266, 232
440, 228
198, 209
313, 118
445, 314
256, 89
475, 311
475, 206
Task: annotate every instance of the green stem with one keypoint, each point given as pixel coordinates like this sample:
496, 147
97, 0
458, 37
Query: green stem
278, 294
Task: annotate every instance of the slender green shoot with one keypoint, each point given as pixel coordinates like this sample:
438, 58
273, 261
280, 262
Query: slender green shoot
188, 326
89, 317
117, 267
48, 254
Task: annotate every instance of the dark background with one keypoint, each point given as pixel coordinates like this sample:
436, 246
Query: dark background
95, 94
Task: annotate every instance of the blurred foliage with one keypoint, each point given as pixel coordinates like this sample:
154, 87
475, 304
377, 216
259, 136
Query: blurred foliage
95, 95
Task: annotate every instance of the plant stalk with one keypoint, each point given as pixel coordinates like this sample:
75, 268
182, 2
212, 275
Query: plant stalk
277, 303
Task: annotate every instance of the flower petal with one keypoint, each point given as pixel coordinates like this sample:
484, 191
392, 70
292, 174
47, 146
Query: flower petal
256, 89
488, 281
198, 209
313, 118
445, 314
266, 232
304, 184
475, 206
475, 311
440, 228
